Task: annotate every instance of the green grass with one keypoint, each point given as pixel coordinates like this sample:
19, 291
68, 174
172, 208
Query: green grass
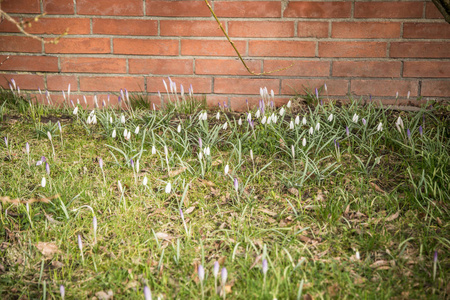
347, 216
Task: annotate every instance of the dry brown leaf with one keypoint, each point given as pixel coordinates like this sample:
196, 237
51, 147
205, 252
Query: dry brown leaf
47, 249
57, 264
307, 297
105, 296
51, 220
333, 290
189, 210
206, 182
17, 201
221, 260
393, 217
382, 264
305, 239
293, 191
269, 212
177, 171
377, 188
320, 196
439, 221
163, 236
216, 163
257, 259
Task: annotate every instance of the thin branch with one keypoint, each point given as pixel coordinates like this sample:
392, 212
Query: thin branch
442, 10
20, 26
235, 49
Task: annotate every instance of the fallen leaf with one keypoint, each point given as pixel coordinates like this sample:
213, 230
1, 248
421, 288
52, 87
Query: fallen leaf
57, 264
320, 196
47, 249
257, 259
177, 171
189, 210
105, 296
333, 290
307, 297
163, 236
293, 191
17, 201
269, 212
376, 187
393, 217
382, 264
206, 182
221, 260
51, 220
216, 163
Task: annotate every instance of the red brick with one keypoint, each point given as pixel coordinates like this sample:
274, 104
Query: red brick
175, 8
125, 27
6, 26
19, 44
420, 49
61, 82
306, 9
435, 88
93, 65
244, 85
297, 86
59, 7
366, 68
215, 48
365, 30
189, 28
260, 29
282, 48
312, 29
300, 68
226, 66
23, 81
352, 49
384, 87
145, 46
431, 12
161, 66
201, 85
21, 6
111, 84
427, 69
110, 7
387, 10
426, 30
29, 63
60, 25
79, 45
247, 9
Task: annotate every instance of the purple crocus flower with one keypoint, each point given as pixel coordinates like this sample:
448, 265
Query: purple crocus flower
224, 275
80, 243
62, 291
408, 133
201, 273
147, 293
181, 214
435, 257
200, 143
6, 141
317, 93
27, 147
420, 130
347, 130
100, 162
236, 184
132, 163
43, 159
337, 143
370, 97
265, 266
364, 121
47, 168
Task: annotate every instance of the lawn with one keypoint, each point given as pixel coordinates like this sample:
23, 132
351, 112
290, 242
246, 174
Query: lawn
311, 200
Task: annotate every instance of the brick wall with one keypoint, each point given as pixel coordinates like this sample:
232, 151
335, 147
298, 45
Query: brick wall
359, 47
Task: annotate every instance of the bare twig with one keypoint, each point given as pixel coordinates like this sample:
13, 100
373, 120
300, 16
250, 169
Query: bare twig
235, 49
22, 24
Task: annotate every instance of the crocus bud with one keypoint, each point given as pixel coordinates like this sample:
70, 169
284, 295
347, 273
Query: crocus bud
304, 142
201, 273
291, 125
380, 127
265, 266
420, 130
168, 188
75, 110
94, 223
43, 182
216, 269
100, 163
330, 117
27, 148
347, 131
147, 293
355, 118
408, 133
114, 133
80, 243
49, 135
136, 131
224, 275
145, 181
62, 291
304, 120
297, 120
240, 122
236, 184
153, 150
227, 168
47, 168
364, 122
179, 128
251, 154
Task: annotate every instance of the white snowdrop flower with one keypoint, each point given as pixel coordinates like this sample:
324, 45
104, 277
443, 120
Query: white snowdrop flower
168, 188
218, 116
128, 135
207, 151
264, 119
330, 118
136, 131
179, 128
119, 184
153, 150
227, 169
89, 120
288, 105
75, 110
396, 94
261, 92
258, 114
304, 142
110, 120
399, 124
249, 117
122, 119
291, 125
282, 111
269, 119
49, 135
274, 118
240, 121
137, 166
311, 130
200, 155
92, 113
205, 116
225, 126
304, 121
355, 118
94, 119
297, 120
125, 133
380, 127
292, 150
251, 154
358, 257
166, 151
272, 94
43, 182
114, 134
317, 126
